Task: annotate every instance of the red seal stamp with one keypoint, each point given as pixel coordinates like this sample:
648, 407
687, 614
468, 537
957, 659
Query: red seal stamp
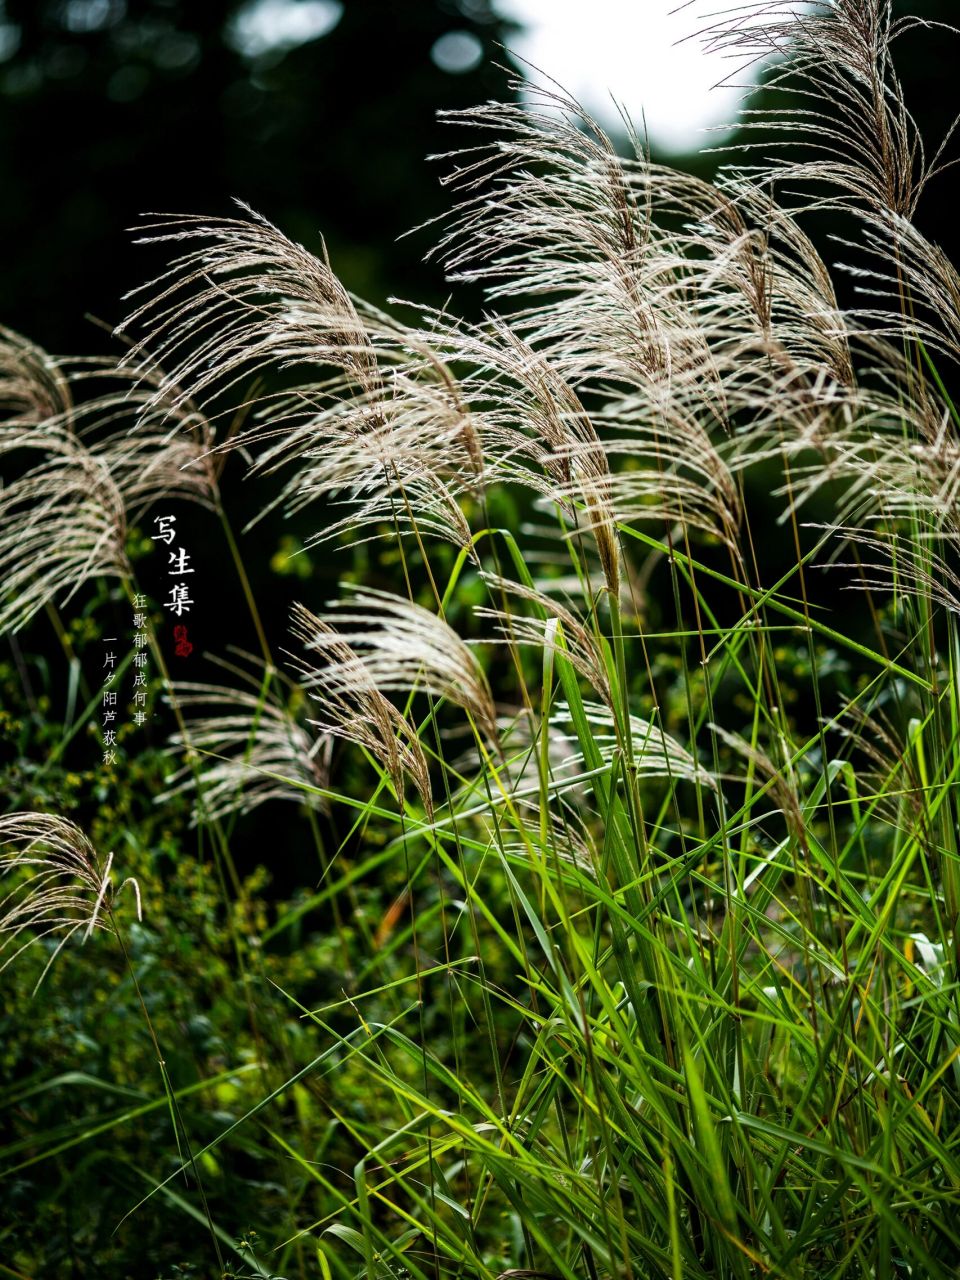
183, 648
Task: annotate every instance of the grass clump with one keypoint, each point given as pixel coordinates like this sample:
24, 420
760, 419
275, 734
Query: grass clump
638, 838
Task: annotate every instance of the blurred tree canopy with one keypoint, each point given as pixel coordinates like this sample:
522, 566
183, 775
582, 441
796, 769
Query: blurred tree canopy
319, 114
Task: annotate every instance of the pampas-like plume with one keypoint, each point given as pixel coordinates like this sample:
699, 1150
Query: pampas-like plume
917, 285
891, 452
923, 563
59, 885
399, 647
892, 440
666, 305
243, 300
852, 109
64, 519
673, 308
253, 747
656, 753
888, 760
644, 277
354, 709
155, 448
375, 420
407, 464
32, 386
62, 523
573, 640
664, 310
537, 432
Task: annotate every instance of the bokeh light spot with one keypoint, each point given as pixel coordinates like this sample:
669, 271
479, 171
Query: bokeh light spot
266, 26
457, 52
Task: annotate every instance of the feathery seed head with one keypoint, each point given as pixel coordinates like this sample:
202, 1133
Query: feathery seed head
57, 884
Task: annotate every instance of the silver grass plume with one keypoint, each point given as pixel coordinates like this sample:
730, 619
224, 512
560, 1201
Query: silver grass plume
888, 762
374, 419
780, 779
890, 449
533, 416
155, 448
657, 754
354, 709
57, 885
400, 647
892, 439
32, 386
241, 299
644, 275
852, 109
905, 266
252, 744
672, 333
552, 626
79, 480
409, 464
62, 523
651, 334
666, 333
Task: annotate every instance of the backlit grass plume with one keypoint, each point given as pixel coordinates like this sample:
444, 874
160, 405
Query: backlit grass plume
354, 708
631, 742
84, 455
53, 883
251, 745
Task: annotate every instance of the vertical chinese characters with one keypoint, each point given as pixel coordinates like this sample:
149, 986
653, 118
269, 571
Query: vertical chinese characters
139, 659
178, 566
108, 703
110, 694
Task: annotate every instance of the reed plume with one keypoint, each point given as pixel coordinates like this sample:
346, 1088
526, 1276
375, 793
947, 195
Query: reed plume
59, 885
709, 1048
85, 467
252, 744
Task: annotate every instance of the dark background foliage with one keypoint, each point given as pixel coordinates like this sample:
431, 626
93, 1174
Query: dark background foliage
114, 108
